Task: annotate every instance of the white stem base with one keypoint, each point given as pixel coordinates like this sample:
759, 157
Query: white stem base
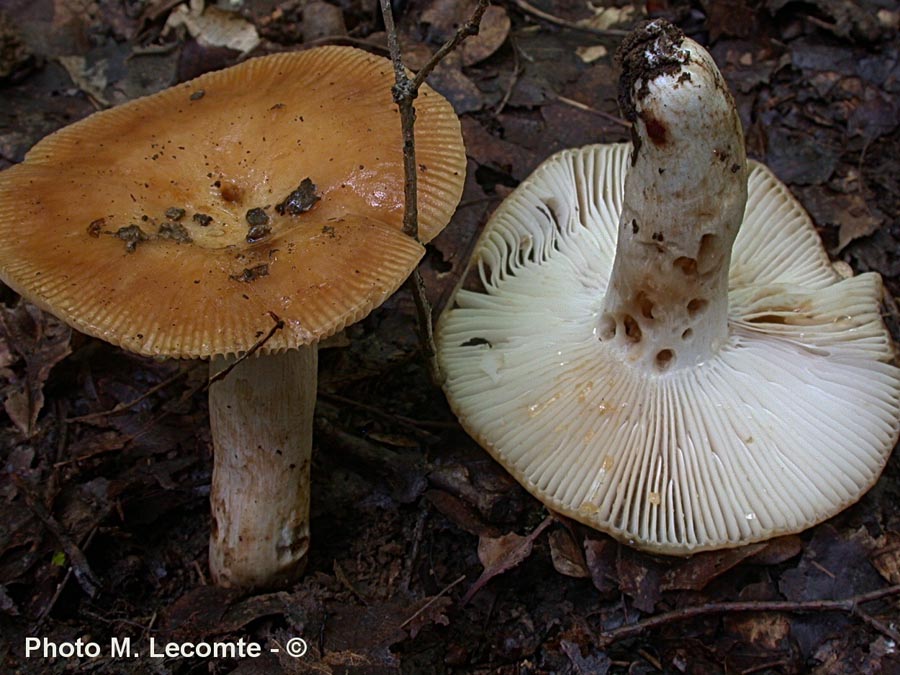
261, 415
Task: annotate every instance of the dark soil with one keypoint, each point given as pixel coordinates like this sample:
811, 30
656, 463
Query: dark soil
104, 512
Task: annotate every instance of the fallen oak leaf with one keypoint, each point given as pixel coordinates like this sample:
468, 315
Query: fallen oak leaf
501, 554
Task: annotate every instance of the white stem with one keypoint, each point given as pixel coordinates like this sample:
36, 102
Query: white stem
667, 301
261, 415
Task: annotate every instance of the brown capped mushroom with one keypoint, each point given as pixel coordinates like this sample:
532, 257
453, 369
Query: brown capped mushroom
186, 224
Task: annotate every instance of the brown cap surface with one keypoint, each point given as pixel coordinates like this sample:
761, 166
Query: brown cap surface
136, 225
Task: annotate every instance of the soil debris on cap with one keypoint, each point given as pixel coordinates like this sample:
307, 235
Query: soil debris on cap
174, 213
95, 227
174, 231
132, 235
300, 200
202, 219
252, 273
653, 49
259, 225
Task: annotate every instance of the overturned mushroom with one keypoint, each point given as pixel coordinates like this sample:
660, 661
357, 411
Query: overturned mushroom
652, 340
156, 226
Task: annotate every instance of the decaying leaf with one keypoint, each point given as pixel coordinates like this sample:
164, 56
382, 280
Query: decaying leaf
699, 570
600, 556
594, 664
886, 558
433, 610
213, 27
567, 556
40, 341
499, 554
640, 577
492, 33
854, 216
606, 17
764, 630
6, 603
504, 552
91, 79
778, 550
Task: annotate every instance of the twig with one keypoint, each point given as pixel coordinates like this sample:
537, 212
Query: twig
425, 326
528, 8
768, 665
583, 106
848, 605
52, 483
413, 425
413, 555
468, 29
649, 658
404, 94
222, 374
77, 560
428, 604
152, 50
346, 583
119, 408
45, 612
517, 71
405, 91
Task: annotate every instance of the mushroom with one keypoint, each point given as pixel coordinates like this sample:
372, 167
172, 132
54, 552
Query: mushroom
651, 338
261, 201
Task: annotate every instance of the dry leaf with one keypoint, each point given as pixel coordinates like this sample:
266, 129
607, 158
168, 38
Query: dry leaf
492, 33
213, 27
600, 556
41, 341
591, 53
766, 630
91, 80
886, 558
499, 554
504, 552
567, 556
435, 612
697, 571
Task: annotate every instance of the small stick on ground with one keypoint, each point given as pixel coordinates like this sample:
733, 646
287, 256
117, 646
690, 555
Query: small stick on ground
528, 8
405, 92
120, 408
45, 612
76, 559
431, 601
849, 606
413, 557
605, 115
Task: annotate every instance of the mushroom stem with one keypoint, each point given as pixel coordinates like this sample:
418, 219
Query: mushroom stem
261, 416
667, 301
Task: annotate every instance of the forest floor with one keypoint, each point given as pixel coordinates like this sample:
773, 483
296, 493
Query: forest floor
104, 513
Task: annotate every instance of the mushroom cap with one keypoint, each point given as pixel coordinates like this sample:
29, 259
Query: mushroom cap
210, 151
790, 422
